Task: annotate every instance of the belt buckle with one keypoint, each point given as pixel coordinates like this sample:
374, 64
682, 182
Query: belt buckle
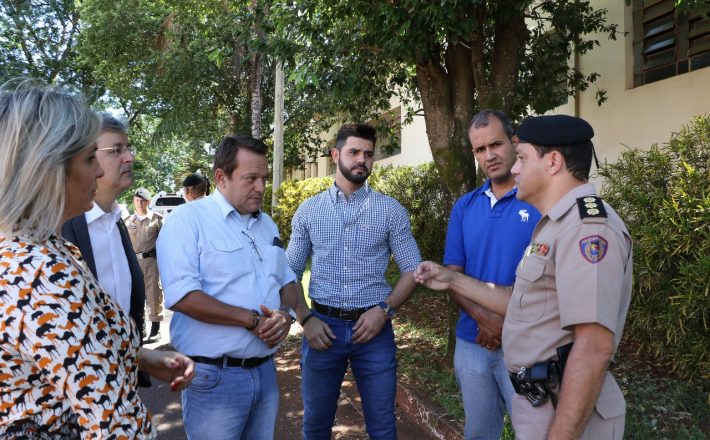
344, 314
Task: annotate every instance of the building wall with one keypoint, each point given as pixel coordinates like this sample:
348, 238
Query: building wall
640, 116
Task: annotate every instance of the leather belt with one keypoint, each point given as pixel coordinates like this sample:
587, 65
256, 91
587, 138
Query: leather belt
149, 254
227, 361
345, 315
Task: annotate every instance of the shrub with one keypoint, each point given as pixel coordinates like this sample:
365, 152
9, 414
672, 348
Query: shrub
418, 189
664, 196
290, 195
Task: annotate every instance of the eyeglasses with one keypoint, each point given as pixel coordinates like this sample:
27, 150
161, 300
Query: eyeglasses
119, 150
253, 245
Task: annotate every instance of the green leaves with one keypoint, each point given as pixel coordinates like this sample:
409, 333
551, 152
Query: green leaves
664, 196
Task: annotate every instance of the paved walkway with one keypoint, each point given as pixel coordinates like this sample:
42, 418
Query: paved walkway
167, 411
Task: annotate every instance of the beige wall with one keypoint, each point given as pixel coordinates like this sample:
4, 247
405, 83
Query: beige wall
635, 117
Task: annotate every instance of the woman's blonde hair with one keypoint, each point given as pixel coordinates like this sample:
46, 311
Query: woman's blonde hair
41, 129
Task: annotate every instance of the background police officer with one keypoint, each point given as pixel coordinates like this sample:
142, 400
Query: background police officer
143, 228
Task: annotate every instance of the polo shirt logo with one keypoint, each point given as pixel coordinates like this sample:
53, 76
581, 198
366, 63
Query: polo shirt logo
524, 215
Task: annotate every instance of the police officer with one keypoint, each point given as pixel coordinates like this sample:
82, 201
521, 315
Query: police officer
143, 228
195, 186
566, 313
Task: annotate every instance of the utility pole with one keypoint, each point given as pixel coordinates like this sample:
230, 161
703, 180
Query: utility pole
278, 166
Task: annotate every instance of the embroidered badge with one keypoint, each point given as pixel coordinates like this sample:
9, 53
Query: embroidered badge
593, 248
537, 248
524, 215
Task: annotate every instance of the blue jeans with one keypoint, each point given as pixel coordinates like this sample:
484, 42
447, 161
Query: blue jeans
374, 365
231, 403
485, 387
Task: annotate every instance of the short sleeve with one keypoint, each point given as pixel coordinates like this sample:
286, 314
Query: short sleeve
454, 252
590, 269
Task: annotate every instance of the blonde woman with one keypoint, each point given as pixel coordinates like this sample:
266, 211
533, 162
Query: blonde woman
69, 356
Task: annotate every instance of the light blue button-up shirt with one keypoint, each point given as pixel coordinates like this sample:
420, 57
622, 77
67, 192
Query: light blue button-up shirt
206, 245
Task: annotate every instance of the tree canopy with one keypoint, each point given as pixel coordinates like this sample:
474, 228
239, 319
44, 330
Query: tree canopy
455, 57
183, 71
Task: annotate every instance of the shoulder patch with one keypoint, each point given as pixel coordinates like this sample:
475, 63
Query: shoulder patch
593, 248
590, 207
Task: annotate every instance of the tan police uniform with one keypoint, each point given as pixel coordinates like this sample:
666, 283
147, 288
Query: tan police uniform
576, 270
144, 234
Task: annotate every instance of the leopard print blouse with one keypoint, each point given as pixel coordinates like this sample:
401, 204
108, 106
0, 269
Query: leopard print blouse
68, 353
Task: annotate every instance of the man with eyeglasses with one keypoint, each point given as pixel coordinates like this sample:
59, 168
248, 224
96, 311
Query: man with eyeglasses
100, 233
226, 277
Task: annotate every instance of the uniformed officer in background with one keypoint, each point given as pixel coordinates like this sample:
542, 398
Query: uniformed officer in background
196, 186
566, 313
143, 228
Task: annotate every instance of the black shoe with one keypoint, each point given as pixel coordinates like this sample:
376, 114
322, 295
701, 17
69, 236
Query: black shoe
154, 330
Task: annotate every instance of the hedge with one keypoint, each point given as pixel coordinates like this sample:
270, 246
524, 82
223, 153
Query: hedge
417, 188
664, 196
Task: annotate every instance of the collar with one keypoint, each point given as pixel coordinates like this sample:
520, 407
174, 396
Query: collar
225, 208
486, 189
96, 212
570, 199
148, 215
334, 192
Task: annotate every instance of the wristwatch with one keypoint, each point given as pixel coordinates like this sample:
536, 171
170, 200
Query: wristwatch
389, 310
290, 312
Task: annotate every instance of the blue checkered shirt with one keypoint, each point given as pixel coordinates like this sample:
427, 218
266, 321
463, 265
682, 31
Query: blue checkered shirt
350, 241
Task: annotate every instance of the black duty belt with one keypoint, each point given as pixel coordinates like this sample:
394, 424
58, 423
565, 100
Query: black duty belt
232, 362
149, 254
345, 315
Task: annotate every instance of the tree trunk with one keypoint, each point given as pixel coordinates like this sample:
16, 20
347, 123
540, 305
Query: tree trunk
255, 85
446, 126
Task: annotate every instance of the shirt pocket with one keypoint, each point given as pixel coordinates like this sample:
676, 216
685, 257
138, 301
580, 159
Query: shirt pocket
532, 299
370, 238
225, 258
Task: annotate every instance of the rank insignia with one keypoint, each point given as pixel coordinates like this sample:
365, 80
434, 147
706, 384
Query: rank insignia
593, 248
591, 206
537, 248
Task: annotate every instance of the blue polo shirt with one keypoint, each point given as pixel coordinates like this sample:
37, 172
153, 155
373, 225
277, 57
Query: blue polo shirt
488, 242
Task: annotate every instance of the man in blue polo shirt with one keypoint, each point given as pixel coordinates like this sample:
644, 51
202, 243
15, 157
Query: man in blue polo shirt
488, 232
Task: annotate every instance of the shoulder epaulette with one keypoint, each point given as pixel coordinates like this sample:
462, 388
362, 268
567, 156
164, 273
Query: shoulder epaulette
591, 207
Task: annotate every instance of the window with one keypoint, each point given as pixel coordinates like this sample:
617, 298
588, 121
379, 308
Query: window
667, 43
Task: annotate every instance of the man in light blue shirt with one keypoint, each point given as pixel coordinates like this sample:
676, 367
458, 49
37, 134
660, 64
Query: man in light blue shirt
225, 275
350, 231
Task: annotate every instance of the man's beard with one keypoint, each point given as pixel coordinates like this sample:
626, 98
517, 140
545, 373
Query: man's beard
353, 178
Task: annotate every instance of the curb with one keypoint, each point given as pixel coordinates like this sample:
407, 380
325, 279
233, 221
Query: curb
416, 411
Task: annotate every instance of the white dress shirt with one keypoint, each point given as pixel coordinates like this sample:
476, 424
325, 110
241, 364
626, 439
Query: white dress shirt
109, 256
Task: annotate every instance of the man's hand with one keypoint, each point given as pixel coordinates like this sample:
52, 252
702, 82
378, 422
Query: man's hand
433, 276
490, 328
318, 334
168, 366
369, 325
273, 326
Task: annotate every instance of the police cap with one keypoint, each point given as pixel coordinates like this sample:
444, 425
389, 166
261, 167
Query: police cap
193, 179
555, 131
142, 193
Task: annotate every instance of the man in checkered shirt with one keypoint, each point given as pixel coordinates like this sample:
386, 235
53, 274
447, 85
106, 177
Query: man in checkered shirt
349, 231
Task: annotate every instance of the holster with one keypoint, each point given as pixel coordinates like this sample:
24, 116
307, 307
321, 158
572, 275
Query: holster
538, 382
